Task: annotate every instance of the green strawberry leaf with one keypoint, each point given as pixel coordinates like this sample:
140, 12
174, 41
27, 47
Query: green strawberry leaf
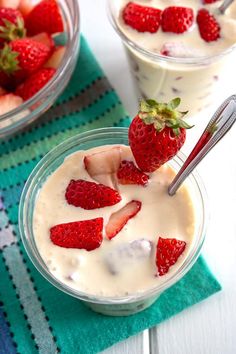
173, 104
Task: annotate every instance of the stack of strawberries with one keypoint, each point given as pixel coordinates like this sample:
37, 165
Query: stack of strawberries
28, 55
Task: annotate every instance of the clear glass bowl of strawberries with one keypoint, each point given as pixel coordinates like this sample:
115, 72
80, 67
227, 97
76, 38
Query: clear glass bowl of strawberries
39, 45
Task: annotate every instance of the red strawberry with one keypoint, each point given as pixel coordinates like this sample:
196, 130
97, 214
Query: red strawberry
167, 253
128, 173
142, 18
157, 133
86, 234
90, 195
11, 25
102, 166
120, 218
45, 17
35, 83
208, 27
21, 58
209, 1
46, 39
177, 19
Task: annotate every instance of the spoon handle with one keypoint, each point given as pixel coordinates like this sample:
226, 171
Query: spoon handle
219, 125
223, 7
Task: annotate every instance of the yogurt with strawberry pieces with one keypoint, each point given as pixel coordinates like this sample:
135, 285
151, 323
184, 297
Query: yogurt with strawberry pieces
183, 41
104, 215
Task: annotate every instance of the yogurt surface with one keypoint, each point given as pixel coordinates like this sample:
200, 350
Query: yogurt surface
190, 42
127, 263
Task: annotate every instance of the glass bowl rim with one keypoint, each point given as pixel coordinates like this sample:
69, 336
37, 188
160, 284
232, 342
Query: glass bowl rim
158, 57
67, 59
37, 259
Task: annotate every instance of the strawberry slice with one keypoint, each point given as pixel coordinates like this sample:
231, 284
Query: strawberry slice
208, 27
21, 58
209, 1
128, 173
90, 195
103, 166
46, 39
44, 17
142, 18
9, 102
177, 19
120, 218
56, 58
86, 234
167, 253
35, 83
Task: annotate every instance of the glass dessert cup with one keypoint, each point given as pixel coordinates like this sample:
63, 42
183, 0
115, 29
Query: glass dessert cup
197, 80
113, 306
44, 99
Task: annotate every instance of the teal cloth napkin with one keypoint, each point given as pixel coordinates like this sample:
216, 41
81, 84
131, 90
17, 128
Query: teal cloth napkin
35, 317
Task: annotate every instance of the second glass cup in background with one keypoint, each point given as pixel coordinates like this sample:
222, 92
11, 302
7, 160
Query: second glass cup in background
197, 81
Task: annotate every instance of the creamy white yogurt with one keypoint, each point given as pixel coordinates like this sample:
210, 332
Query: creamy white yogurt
126, 264
196, 83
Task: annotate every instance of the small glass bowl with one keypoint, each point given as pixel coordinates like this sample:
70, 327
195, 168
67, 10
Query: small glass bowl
114, 306
44, 99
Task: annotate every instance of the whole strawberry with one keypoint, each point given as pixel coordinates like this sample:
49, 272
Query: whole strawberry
177, 19
34, 83
157, 133
44, 17
85, 234
208, 27
142, 18
22, 57
11, 25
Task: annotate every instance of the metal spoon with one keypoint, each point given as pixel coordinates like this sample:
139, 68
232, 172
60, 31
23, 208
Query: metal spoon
219, 125
224, 6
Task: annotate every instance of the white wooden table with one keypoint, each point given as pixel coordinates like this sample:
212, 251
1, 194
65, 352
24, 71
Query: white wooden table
209, 327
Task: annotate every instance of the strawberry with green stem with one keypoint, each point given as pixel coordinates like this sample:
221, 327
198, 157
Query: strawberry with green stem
168, 252
21, 58
157, 133
11, 25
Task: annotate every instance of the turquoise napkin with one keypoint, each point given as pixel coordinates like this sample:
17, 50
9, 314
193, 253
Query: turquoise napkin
35, 317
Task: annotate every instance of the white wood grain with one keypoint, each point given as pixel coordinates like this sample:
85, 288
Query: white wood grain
209, 327
137, 345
